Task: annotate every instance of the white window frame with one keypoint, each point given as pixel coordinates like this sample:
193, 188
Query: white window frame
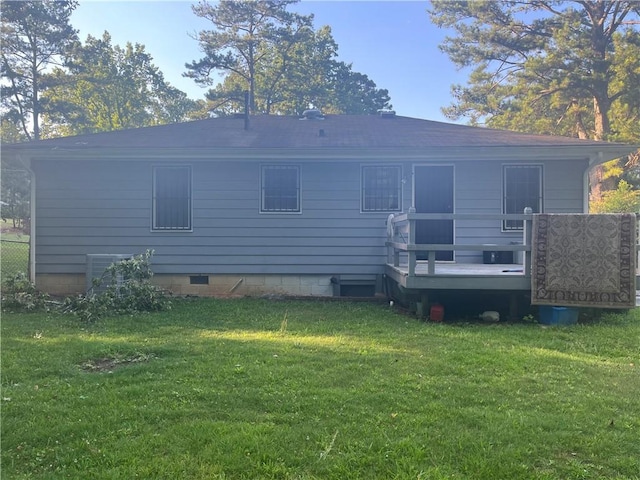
363, 196
154, 209
540, 206
263, 193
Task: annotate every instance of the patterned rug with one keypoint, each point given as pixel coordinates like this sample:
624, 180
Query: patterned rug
584, 260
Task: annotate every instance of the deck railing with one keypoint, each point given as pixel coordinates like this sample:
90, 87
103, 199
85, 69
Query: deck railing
402, 239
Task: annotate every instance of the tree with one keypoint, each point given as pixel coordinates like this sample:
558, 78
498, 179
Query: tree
309, 75
355, 93
15, 181
622, 199
546, 66
34, 36
280, 59
315, 76
15, 193
245, 32
105, 87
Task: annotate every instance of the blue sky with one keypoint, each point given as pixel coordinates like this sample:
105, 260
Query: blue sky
392, 42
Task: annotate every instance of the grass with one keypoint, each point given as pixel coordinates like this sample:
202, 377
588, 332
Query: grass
14, 257
248, 389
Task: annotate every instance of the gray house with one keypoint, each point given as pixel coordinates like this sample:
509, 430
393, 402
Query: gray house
297, 205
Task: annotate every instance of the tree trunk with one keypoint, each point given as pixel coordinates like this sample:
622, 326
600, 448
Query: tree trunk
252, 80
36, 100
580, 128
601, 131
602, 126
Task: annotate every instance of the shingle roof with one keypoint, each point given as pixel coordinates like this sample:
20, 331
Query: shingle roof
334, 131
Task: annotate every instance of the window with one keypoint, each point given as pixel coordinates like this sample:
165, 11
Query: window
522, 188
171, 198
280, 190
381, 188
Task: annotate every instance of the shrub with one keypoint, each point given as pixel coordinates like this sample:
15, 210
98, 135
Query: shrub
622, 199
128, 290
20, 295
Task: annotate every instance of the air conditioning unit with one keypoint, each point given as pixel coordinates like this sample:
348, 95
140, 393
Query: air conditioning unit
97, 263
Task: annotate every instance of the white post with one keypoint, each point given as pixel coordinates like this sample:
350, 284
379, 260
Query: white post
526, 241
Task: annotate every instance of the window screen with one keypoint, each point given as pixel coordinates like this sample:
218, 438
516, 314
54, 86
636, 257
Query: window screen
172, 198
522, 188
280, 189
381, 188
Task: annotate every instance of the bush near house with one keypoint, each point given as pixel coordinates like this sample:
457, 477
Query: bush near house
624, 199
128, 290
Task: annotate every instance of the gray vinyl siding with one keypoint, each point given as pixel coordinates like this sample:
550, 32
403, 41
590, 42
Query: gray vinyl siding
479, 190
106, 206
100, 207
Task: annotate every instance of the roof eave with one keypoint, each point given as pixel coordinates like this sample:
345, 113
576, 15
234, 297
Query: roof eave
595, 154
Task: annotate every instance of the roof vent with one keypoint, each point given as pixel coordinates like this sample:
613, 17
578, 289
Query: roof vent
385, 113
312, 114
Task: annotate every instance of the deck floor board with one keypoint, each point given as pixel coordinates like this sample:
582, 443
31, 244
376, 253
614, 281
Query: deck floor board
466, 269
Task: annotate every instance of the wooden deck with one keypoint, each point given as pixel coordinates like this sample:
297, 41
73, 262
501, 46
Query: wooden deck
457, 276
408, 272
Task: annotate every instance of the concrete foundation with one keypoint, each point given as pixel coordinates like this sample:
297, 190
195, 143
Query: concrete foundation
247, 285
61, 283
207, 285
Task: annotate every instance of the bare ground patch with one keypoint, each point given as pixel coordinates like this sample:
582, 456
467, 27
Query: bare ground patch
108, 364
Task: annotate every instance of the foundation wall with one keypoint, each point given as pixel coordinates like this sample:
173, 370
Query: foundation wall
248, 285
218, 285
61, 283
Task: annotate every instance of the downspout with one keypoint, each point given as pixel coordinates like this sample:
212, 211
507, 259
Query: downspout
32, 220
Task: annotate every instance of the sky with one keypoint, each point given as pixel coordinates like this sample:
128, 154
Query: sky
392, 42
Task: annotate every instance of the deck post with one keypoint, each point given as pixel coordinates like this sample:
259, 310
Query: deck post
423, 312
412, 242
431, 267
526, 240
412, 264
513, 306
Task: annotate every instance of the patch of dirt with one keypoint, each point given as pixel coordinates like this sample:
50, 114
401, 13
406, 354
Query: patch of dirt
108, 364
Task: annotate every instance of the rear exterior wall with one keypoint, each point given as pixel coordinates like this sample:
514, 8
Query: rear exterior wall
97, 207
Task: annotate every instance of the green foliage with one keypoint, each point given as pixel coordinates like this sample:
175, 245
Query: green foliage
245, 36
20, 295
623, 199
34, 35
218, 389
15, 192
105, 87
544, 66
10, 129
279, 58
128, 290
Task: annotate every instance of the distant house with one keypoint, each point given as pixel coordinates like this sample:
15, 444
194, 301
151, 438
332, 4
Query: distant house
284, 204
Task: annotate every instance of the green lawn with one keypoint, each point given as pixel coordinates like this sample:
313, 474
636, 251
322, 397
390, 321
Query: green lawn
253, 389
14, 256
